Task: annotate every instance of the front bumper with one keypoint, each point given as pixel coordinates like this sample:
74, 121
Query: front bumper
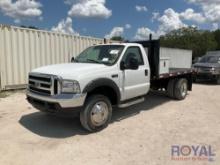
207, 75
58, 102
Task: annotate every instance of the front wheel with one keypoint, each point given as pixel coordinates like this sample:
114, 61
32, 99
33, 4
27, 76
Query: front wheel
96, 114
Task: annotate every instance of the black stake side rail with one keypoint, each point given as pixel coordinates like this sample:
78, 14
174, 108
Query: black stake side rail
174, 74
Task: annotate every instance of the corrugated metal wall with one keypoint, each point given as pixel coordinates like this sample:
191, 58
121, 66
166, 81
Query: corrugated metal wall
22, 50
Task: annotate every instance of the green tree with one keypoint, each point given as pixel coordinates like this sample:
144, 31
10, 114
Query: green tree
217, 38
117, 38
190, 38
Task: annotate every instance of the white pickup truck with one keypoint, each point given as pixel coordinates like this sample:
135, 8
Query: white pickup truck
104, 76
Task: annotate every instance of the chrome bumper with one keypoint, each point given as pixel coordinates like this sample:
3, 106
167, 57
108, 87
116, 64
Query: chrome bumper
64, 100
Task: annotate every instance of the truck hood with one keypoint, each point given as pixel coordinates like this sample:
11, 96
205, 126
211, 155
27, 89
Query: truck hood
209, 65
71, 69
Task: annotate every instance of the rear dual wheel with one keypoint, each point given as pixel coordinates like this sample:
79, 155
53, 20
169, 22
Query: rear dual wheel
181, 89
170, 88
218, 80
178, 88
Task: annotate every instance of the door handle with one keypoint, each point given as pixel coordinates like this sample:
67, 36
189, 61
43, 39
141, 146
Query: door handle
115, 76
146, 72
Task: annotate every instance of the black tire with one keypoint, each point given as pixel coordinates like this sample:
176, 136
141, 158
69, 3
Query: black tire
195, 79
170, 88
181, 89
87, 114
218, 80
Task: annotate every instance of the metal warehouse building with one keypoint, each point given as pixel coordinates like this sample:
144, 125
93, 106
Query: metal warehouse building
22, 50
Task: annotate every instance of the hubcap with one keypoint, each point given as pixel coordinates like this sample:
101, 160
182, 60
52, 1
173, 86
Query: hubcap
184, 89
99, 113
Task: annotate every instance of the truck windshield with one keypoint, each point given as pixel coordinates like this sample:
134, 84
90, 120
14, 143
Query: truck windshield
102, 54
210, 59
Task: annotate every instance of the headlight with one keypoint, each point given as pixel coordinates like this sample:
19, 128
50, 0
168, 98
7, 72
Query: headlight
213, 69
70, 86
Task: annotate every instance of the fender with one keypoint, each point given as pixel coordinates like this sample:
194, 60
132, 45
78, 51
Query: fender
103, 82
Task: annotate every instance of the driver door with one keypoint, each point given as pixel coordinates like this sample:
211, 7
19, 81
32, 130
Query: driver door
134, 82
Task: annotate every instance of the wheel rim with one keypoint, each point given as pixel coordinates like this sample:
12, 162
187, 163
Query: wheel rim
99, 113
184, 89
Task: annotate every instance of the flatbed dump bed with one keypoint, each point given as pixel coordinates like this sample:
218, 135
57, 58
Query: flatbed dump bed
167, 65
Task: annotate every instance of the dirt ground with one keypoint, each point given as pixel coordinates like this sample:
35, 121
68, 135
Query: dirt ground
141, 134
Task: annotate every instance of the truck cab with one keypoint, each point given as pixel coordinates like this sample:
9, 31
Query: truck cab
101, 77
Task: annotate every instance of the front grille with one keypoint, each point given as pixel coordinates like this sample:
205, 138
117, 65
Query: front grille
202, 68
47, 92
43, 84
205, 69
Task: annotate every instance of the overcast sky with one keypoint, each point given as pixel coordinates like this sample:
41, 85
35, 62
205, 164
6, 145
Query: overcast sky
132, 19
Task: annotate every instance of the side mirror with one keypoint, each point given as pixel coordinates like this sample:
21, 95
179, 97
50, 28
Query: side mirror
133, 64
72, 59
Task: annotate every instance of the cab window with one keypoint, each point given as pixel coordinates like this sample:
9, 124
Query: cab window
133, 52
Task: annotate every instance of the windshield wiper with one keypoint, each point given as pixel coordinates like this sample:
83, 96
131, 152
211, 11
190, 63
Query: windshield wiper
98, 62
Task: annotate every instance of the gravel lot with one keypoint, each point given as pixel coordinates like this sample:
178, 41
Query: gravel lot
142, 134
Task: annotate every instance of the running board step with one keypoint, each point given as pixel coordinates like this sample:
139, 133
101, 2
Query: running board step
130, 103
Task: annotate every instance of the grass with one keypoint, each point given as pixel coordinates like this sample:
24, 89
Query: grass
5, 94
